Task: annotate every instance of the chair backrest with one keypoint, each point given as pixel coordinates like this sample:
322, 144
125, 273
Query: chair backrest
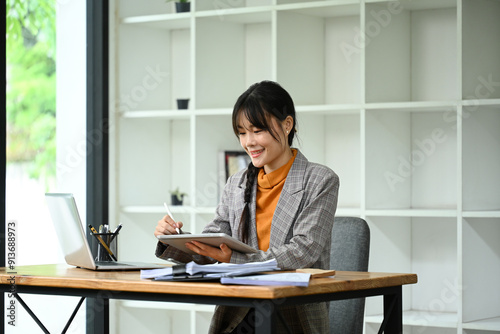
350, 252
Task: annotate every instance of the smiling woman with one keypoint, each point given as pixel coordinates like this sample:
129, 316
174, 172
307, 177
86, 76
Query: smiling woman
281, 204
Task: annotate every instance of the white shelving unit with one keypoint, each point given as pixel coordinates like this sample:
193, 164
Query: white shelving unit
400, 98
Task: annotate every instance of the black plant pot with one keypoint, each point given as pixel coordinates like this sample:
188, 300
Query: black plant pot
182, 7
182, 103
176, 201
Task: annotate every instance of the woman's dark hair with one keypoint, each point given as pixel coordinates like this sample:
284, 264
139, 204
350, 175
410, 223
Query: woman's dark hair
260, 104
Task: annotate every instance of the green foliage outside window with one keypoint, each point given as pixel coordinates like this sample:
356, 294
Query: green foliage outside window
31, 85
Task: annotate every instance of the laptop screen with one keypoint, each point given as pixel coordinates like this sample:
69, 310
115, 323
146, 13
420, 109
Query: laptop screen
69, 229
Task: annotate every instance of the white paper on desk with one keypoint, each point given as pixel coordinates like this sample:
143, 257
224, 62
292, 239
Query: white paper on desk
193, 268
153, 273
295, 279
241, 272
215, 270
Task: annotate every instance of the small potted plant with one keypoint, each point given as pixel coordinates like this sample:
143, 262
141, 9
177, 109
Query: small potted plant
177, 196
182, 104
181, 6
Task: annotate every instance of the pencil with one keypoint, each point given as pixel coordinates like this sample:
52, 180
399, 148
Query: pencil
98, 237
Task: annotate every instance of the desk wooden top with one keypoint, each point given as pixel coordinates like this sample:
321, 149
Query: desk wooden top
64, 276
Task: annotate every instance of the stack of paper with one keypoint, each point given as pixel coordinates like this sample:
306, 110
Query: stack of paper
153, 273
296, 279
193, 270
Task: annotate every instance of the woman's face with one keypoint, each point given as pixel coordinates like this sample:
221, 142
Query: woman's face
263, 149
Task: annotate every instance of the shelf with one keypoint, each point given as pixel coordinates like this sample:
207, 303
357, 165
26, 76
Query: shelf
324, 109
223, 75
214, 112
319, 59
481, 180
481, 102
203, 6
491, 324
348, 212
208, 172
481, 70
167, 114
184, 209
416, 42
340, 212
410, 153
414, 106
329, 109
406, 112
325, 9
156, 209
423, 245
238, 15
421, 4
482, 259
422, 318
412, 213
205, 210
161, 21
168, 306
481, 214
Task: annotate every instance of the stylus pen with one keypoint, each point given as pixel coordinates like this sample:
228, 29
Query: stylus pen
178, 230
98, 237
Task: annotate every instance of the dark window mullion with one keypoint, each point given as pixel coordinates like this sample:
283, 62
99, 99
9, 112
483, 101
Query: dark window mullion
97, 140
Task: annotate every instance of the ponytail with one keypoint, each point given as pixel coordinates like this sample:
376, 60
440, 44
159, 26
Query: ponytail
252, 172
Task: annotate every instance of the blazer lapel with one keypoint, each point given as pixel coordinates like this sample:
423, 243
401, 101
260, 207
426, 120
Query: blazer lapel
289, 202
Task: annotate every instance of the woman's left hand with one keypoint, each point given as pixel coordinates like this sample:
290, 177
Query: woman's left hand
221, 254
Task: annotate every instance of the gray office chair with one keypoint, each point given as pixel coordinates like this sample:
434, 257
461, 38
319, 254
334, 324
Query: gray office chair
350, 252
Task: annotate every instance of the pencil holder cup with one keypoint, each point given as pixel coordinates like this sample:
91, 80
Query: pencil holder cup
100, 252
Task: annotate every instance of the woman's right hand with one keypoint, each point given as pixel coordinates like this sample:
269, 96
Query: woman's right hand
167, 226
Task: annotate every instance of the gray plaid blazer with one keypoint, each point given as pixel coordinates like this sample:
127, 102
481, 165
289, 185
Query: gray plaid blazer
300, 237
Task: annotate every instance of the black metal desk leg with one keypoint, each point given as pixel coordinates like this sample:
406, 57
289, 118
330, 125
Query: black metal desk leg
393, 312
30, 312
265, 317
97, 316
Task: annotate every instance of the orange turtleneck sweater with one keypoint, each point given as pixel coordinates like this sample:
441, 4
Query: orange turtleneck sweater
269, 187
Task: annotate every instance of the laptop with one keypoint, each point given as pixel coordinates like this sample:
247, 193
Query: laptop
72, 238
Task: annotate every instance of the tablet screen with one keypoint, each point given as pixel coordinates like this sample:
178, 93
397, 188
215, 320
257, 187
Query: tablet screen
214, 239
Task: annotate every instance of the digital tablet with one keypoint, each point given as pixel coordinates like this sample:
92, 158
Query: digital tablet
213, 239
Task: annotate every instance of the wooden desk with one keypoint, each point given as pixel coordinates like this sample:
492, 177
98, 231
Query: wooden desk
66, 280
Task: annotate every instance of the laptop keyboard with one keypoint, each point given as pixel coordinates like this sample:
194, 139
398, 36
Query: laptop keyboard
110, 263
